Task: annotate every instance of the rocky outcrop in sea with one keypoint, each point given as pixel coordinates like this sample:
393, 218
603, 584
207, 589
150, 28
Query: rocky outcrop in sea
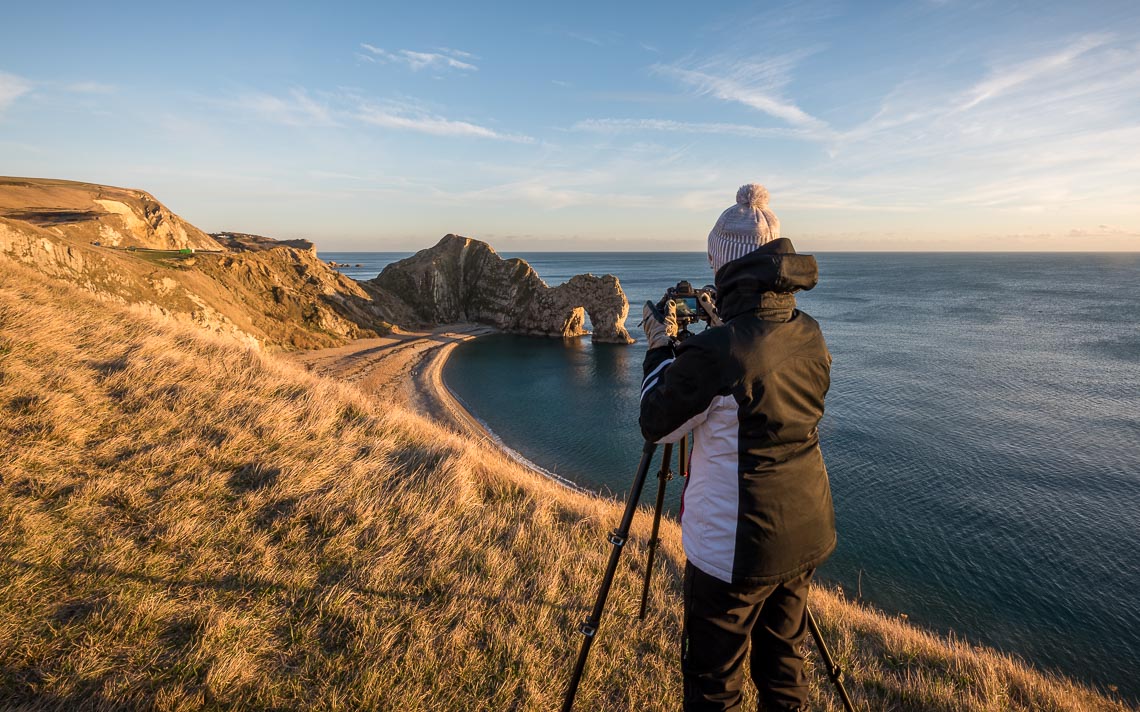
464, 280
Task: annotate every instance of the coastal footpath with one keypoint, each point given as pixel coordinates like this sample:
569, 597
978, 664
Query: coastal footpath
193, 519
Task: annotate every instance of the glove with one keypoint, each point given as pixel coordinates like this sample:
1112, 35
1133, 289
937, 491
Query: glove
660, 329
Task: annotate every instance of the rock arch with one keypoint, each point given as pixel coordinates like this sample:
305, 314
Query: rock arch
600, 297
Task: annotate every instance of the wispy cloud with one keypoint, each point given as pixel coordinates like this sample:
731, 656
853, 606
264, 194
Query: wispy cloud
300, 108
551, 193
1008, 78
295, 109
757, 84
12, 88
456, 52
588, 39
797, 193
410, 118
1036, 133
614, 126
631, 176
445, 58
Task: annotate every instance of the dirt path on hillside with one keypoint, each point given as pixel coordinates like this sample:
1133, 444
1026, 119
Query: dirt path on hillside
404, 368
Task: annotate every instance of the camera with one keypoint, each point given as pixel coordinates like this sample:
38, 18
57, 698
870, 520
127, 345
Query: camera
688, 302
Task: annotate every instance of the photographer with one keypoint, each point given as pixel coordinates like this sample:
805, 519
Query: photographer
756, 513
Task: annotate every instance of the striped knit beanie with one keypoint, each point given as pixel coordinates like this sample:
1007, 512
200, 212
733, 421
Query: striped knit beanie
743, 227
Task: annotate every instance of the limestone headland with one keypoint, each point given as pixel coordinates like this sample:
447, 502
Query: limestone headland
464, 280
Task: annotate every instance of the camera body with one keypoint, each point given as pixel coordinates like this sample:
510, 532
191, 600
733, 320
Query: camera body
688, 303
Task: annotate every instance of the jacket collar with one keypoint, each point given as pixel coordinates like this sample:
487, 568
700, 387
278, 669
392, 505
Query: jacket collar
764, 281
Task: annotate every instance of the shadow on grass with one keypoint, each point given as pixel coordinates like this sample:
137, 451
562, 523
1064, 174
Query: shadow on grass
253, 476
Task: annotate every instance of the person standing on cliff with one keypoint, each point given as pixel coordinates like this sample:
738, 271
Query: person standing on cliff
756, 513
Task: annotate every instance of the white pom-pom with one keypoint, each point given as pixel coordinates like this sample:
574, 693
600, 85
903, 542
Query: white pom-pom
752, 195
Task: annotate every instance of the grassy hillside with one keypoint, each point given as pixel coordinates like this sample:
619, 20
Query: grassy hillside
280, 297
186, 523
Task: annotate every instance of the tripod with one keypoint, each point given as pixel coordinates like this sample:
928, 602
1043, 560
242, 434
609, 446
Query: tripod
618, 538
663, 476
589, 627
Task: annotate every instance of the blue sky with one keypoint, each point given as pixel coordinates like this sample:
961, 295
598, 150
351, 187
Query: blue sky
894, 125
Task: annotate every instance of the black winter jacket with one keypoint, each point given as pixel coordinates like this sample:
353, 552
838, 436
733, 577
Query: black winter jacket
757, 505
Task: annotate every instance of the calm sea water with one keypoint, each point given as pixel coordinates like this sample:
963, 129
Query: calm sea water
982, 434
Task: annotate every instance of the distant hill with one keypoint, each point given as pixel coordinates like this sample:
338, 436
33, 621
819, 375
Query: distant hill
117, 217
243, 242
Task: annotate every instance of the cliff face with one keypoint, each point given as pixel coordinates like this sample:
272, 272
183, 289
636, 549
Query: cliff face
461, 279
117, 217
255, 289
277, 297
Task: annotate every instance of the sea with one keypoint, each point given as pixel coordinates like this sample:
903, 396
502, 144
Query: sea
982, 434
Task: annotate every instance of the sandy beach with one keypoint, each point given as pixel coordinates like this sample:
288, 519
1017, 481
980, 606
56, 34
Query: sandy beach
404, 368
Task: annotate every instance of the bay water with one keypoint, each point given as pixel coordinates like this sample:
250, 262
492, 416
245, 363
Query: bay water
982, 434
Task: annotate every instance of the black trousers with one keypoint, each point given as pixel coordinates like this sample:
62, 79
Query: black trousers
720, 621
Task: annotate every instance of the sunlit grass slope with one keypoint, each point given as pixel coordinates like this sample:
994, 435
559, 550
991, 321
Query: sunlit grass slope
188, 524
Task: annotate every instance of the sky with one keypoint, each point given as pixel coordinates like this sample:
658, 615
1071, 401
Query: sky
919, 125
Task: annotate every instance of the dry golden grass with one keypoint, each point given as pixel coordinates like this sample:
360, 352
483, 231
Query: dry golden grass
187, 524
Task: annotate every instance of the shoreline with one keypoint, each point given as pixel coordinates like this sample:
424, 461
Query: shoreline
488, 433
406, 367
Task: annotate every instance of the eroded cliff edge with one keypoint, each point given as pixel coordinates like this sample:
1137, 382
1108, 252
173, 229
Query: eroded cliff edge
103, 214
461, 279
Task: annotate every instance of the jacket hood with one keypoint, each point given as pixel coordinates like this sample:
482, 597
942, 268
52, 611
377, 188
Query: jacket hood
764, 278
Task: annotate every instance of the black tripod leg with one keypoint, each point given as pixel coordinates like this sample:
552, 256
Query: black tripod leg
618, 537
833, 670
683, 460
663, 476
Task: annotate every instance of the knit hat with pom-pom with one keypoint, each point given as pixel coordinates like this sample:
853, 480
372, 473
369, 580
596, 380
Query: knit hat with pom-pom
743, 227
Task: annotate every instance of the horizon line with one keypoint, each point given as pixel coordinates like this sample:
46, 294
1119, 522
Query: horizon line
698, 252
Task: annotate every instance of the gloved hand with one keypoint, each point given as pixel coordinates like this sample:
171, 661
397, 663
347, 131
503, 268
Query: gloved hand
660, 329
